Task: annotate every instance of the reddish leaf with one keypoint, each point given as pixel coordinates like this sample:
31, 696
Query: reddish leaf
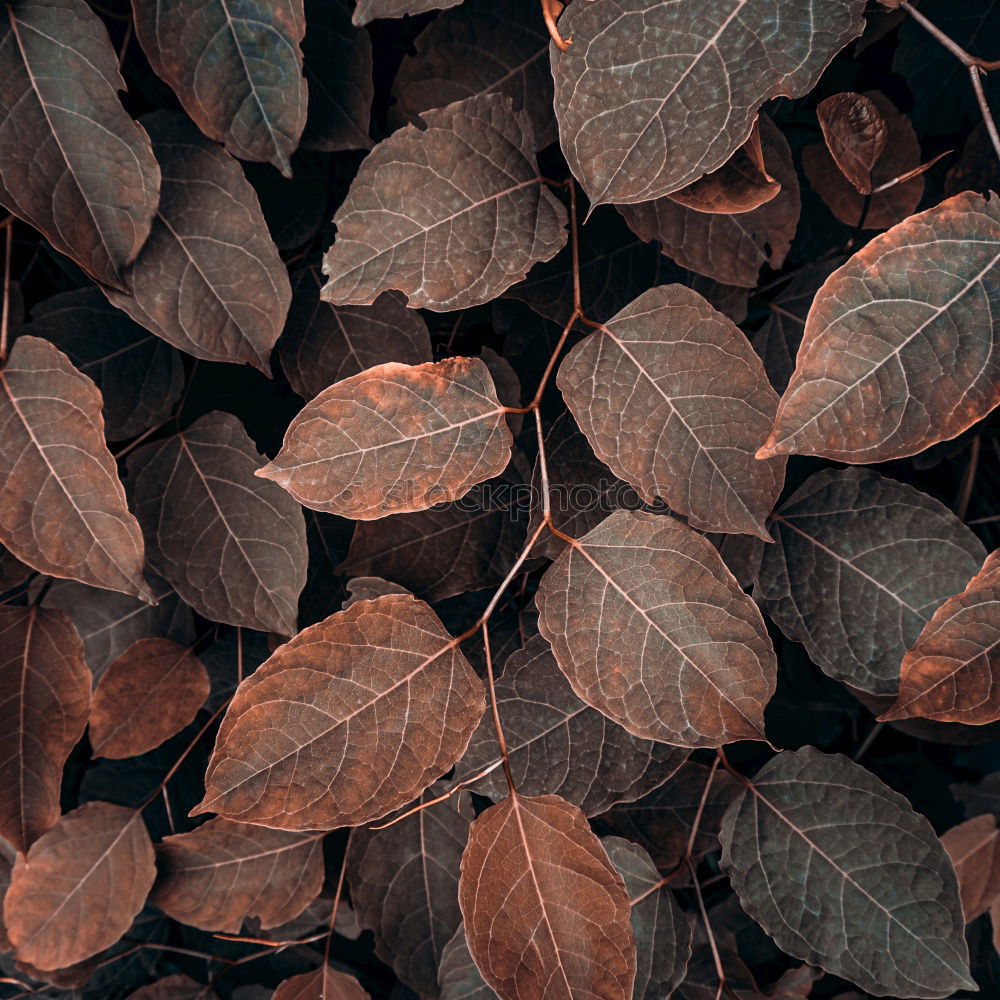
385, 669
672, 397
952, 672
482, 219
652, 630
173, 988
900, 348
855, 134
546, 914
395, 439
209, 279
62, 506
45, 698
323, 984
974, 849
80, 171
79, 887
149, 693
253, 99
223, 872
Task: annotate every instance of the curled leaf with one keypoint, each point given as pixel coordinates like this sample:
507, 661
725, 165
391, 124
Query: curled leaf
855, 133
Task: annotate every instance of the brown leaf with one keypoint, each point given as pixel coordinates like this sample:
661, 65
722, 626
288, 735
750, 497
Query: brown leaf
45, 698
855, 134
149, 693
62, 506
546, 914
482, 218
729, 248
952, 672
321, 984
900, 347
253, 97
323, 344
233, 546
369, 10
652, 630
177, 987
78, 888
209, 280
361, 712
974, 849
367, 588
673, 398
395, 439
81, 172
223, 872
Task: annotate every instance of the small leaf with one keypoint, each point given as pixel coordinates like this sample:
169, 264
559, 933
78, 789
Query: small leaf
804, 847
859, 565
233, 546
386, 669
482, 218
900, 348
78, 889
545, 912
672, 397
177, 987
321, 984
369, 10
395, 439
45, 698
855, 133
223, 872
78, 169
651, 629
974, 849
62, 506
149, 693
236, 69
209, 279
952, 672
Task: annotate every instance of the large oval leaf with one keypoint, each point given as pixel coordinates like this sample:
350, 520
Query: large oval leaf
652, 629
650, 98
361, 713
673, 399
62, 506
44, 701
546, 914
72, 162
233, 546
209, 280
859, 566
395, 439
901, 345
236, 67
805, 848
482, 219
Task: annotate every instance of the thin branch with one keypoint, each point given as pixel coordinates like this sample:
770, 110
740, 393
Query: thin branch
543, 467
239, 655
491, 686
719, 970
5, 316
969, 479
975, 75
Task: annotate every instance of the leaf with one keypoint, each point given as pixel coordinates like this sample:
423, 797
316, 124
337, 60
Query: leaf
545, 912
929, 372
974, 849
482, 218
804, 847
855, 134
323, 344
45, 698
952, 672
149, 693
369, 10
79, 887
482, 47
209, 279
560, 746
233, 546
321, 984
652, 630
730, 248
384, 668
62, 506
650, 98
140, 377
236, 69
458, 976
223, 872
404, 887
395, 439
859, 565
673, 399
338, 72
76, 167
177, 987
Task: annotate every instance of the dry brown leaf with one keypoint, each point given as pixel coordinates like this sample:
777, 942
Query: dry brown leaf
855, 134
974, 849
